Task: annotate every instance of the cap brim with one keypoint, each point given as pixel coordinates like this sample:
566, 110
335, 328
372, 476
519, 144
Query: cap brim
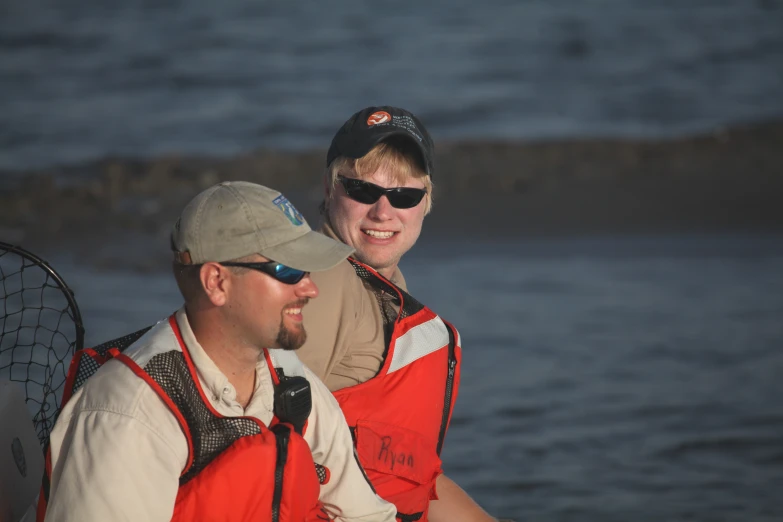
312, 252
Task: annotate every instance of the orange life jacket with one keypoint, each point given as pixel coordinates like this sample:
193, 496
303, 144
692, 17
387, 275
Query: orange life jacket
399, 417
237, 468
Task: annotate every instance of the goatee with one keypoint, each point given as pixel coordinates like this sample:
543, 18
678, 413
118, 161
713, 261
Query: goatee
291, 340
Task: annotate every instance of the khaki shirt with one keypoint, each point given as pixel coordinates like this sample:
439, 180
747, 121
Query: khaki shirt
345, 342
118, 451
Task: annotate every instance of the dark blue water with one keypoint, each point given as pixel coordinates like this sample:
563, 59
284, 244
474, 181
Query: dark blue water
617, 379
84, 79
604, 379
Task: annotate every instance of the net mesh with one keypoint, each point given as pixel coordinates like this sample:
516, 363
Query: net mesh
88, 366
40, 329
211, 434
388, 296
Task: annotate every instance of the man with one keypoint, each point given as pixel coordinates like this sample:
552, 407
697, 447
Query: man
198, 418
393, 364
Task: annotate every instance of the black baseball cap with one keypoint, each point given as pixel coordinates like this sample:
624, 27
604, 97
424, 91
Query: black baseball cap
370, 126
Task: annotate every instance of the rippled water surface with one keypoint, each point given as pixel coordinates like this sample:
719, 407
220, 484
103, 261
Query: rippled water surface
83, 79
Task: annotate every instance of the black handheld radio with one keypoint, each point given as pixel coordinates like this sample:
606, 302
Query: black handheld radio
293, 401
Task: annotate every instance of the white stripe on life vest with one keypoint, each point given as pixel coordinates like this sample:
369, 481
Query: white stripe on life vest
419, 341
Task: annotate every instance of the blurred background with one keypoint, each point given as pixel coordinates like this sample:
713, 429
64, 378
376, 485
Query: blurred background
607, 232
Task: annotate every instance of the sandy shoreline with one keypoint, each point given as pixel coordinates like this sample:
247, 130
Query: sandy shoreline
728, 180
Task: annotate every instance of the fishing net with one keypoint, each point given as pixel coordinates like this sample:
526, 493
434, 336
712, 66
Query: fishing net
40, 328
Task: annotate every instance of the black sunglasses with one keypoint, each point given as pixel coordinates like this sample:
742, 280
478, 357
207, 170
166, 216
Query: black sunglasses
284, 274
369, 193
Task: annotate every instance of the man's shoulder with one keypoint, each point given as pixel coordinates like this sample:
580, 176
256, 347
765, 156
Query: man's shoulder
341, 294
115, 388
331, 317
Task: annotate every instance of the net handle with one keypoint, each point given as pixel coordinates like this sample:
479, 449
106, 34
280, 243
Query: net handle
77, 316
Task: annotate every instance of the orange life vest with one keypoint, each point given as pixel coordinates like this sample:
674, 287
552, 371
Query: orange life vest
399, 417
237, 468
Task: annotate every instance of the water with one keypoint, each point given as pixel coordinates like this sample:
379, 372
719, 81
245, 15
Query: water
617, 379
603, 379
80, 80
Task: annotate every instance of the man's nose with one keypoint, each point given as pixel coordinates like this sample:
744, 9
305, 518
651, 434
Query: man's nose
306, 288
381, 210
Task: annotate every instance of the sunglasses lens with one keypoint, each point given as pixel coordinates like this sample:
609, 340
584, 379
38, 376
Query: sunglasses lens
362, 192
405, 198
288, 275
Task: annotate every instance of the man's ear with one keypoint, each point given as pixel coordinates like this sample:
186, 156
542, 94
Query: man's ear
216, 282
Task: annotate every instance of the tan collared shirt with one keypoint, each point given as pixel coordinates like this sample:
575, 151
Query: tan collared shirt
118, 451
345, 341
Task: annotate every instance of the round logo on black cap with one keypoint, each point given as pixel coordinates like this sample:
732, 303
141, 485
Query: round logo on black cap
18, 452
378, 117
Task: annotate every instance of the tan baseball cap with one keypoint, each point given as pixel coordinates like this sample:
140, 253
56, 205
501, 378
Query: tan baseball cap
235, 219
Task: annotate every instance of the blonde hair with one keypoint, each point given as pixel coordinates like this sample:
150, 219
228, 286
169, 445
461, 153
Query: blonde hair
400, 158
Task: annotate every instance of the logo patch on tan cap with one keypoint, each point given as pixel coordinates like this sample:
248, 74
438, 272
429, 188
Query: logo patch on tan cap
289, 210
378, 117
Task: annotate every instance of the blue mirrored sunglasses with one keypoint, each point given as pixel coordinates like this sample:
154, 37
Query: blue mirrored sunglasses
284, 274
